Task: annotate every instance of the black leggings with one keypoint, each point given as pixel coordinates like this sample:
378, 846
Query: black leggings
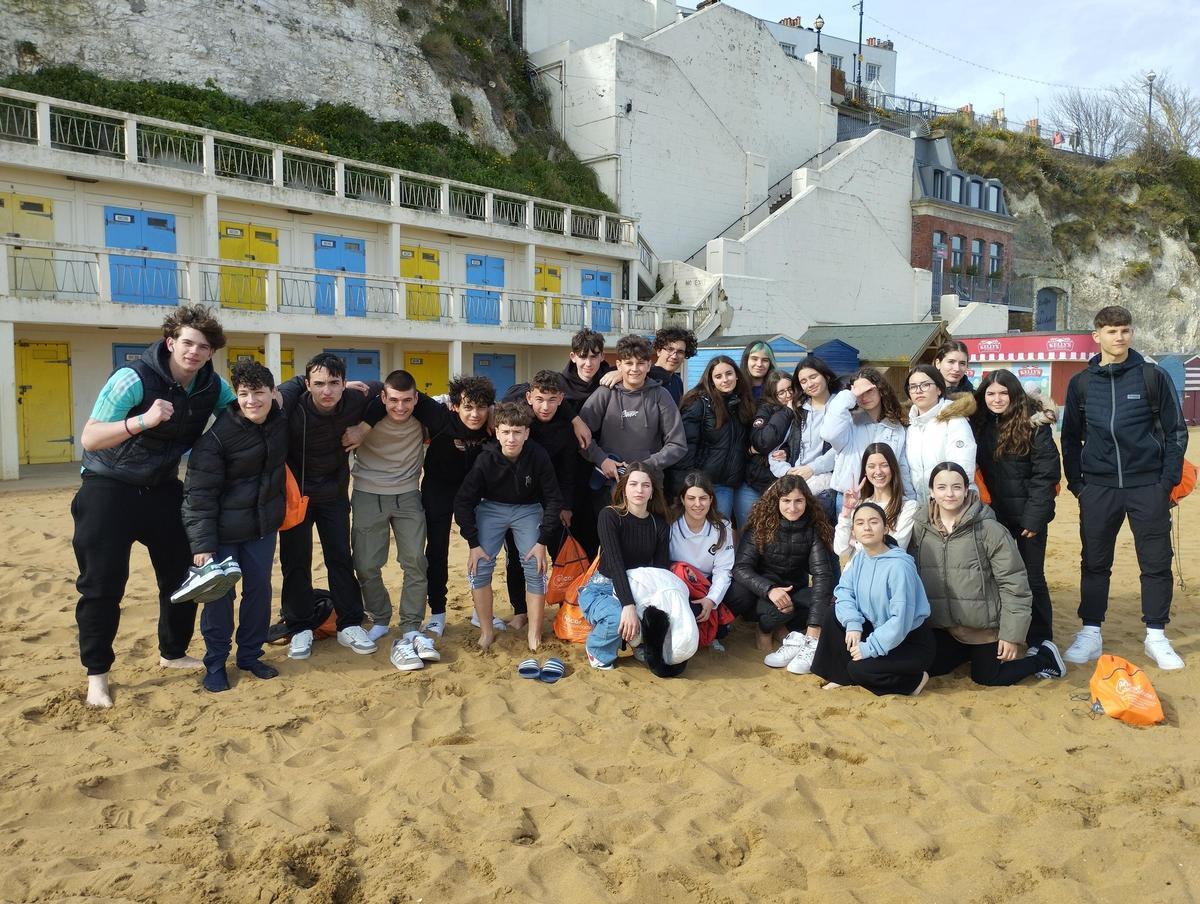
986, 669
437, 557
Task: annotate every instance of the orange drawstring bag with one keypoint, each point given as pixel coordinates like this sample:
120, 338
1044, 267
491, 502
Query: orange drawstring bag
569, 564
569, 624
1121, 690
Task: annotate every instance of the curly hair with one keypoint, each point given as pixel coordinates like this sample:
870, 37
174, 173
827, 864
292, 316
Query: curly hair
763, 523
669, 334
251, 375
197, 317
1014, 433
547, 382
890, 408
634, 347
476, 390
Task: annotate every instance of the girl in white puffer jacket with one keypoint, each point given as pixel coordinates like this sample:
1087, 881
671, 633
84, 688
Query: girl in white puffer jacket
939, 428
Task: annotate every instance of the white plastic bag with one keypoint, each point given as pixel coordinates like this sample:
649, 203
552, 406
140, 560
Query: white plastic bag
667, 592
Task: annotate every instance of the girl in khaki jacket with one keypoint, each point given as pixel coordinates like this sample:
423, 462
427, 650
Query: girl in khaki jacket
978, 590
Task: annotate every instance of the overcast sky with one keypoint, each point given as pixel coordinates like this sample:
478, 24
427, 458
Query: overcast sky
1092, 44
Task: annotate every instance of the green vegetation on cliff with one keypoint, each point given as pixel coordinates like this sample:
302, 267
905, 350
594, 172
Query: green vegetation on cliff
1087, 199
542, 165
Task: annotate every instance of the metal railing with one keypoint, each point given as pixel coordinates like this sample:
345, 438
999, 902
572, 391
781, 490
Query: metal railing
59, 272
984, 289
18, 121
97, 131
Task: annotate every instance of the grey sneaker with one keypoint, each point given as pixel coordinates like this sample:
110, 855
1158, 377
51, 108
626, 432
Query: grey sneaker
356, 639
301, 645
204, 581
425, 648
404, 656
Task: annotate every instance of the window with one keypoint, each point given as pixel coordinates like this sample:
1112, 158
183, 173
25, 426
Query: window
789, 49
939, 183
872, 71
939, 244
995, 260
956, 252
993, 198
956, 182
836, 61
974, 189
977, 255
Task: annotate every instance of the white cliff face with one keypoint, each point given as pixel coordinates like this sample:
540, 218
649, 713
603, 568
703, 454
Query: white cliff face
1153, 274
335, 51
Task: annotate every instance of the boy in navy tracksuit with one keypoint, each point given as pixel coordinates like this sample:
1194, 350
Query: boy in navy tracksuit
234, 501
1122, 459
511, 487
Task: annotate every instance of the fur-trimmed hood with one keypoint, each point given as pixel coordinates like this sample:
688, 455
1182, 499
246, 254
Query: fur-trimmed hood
962, 405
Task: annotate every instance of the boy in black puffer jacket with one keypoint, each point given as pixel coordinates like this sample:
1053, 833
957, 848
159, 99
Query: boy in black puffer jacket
234, 501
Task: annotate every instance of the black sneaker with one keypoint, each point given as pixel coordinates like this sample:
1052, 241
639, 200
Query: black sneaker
1049, 656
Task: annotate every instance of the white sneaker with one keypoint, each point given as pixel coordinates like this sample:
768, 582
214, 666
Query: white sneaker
301, 645
788, 650
1160, 650
436, 624
597, 664
404, 656
356, 639
801, 664
378, 631
425, 648
1084, 648
497, 622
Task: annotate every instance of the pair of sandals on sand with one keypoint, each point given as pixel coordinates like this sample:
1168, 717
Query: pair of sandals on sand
549, 673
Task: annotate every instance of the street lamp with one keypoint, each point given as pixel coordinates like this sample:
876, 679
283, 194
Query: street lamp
1150, 77
818, 25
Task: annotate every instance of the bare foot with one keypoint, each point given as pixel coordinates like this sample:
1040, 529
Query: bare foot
97, 693
765, 644
517, 622
535, 640
920, 687
183, 662
487, 637
831, 686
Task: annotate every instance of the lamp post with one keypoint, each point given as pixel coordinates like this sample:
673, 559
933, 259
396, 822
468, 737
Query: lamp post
1150, 77
818, 25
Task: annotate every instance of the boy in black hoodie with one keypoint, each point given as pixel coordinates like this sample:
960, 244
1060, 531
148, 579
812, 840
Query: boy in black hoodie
232, 507
511, 487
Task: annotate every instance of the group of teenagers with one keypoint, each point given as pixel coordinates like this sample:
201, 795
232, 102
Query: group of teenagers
850, 529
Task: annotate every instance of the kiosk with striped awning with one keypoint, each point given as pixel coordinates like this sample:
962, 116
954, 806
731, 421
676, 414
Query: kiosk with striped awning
1044, 362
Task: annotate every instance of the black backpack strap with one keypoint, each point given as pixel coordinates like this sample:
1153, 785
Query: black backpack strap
1151, 375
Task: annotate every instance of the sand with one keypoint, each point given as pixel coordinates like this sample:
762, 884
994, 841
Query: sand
345, 780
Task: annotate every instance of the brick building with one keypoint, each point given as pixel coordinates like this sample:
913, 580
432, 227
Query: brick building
961, 230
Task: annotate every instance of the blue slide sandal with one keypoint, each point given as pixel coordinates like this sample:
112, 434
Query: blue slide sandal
553, 670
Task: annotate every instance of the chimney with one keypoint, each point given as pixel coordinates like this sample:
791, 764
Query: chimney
791, 22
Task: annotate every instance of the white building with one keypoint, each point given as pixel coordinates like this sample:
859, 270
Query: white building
108, 220
725, 149
879, 57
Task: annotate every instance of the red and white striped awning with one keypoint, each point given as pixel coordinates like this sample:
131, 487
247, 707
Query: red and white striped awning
1031, 347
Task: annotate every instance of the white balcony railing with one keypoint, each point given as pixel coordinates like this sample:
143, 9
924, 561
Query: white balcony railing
69, 274
99, 132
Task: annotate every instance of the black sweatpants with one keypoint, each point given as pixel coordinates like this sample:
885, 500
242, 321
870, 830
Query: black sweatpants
514, 575
985, 667
899, 672
437, 557
744, 602
1102, 510
1033, 554
110, 516
332, 520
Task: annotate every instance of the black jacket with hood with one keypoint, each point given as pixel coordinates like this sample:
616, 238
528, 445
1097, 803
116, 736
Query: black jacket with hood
719, 453
528, 480
792, 558
1021, 488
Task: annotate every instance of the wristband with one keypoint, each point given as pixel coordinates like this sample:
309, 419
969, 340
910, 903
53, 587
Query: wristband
141, 423
125, 423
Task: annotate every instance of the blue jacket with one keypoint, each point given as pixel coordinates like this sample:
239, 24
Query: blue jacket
1112, 440
886, 591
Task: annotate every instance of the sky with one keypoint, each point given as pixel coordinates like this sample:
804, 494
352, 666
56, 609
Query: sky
1093, 44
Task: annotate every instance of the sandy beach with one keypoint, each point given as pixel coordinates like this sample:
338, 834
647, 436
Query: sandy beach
344, 780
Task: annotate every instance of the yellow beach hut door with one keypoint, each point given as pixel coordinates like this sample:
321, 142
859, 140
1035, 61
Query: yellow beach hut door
246, 287
417, 262
547, 278
431, 370
287, 359
44, 403
26, 216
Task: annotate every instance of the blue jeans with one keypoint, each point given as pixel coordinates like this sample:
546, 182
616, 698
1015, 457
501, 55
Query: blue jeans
724, 500
745, 498
602, 609
494, 520
255, 557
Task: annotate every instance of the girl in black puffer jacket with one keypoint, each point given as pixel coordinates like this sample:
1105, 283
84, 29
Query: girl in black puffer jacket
1020, 466
768, 430
782, 572
234, 501
716, 417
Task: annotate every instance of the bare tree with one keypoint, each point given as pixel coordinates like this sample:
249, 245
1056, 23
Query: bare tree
1093, 121
1174, 122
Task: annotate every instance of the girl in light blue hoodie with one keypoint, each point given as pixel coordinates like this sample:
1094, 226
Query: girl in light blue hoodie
876, 635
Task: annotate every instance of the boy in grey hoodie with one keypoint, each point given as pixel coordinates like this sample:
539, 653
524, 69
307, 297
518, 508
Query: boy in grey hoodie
635, 420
